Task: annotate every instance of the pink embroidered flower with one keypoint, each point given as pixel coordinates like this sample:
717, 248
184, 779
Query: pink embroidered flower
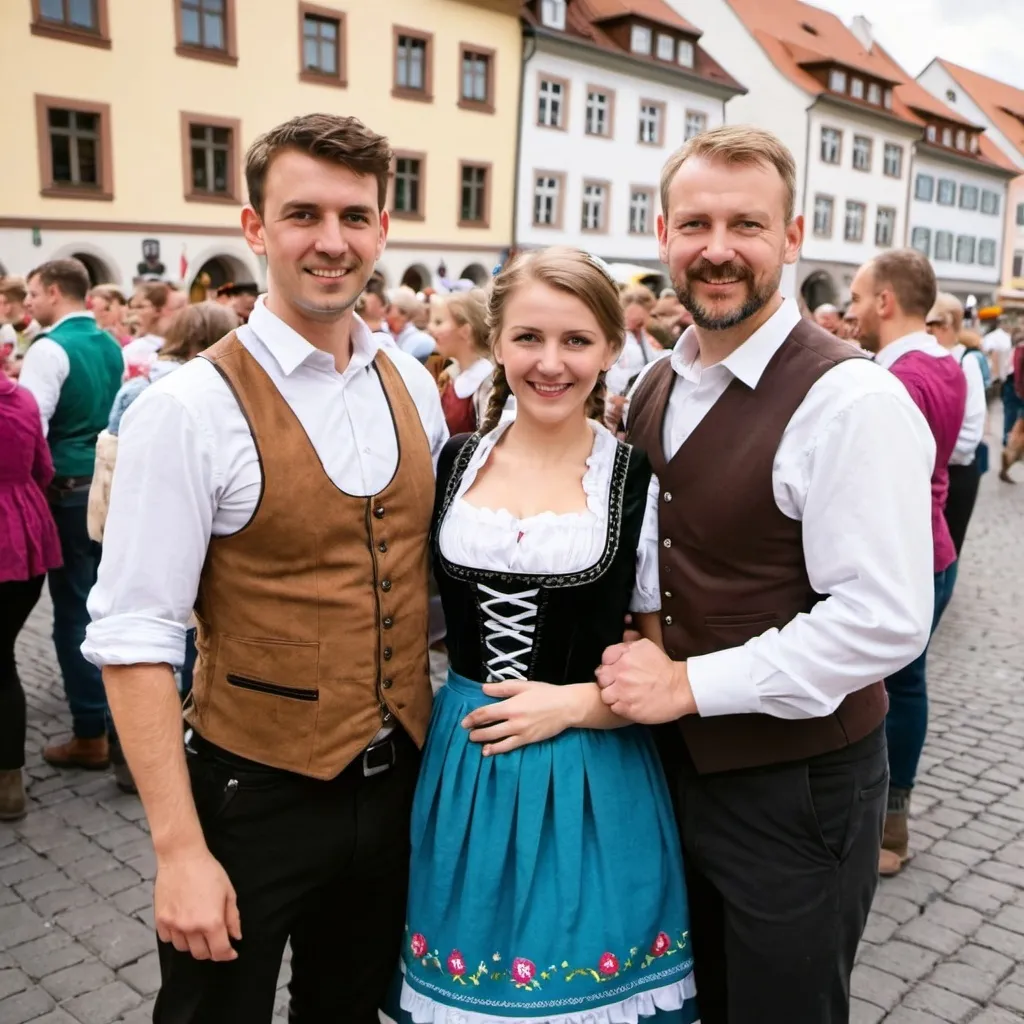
523, 970
456, 964
608, 964
418, 945
661, 945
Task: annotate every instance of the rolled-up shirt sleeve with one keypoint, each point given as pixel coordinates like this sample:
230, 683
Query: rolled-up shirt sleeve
162, 503
867, 539
647, 590
972, 430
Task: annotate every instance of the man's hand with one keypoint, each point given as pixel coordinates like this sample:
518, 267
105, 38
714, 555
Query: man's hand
530, 713
641, 683
194, 905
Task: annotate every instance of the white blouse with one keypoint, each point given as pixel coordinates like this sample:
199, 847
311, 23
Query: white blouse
495, 540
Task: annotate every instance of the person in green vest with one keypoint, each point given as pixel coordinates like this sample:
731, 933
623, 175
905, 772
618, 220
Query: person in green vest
74, 370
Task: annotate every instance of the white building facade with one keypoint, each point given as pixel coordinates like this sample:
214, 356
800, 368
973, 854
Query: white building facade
600, 116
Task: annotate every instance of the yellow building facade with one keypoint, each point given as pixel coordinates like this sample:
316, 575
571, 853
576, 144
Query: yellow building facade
142, 110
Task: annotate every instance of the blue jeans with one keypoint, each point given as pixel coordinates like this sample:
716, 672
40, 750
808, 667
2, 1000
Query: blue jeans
1013, 407
906, 724
69, 590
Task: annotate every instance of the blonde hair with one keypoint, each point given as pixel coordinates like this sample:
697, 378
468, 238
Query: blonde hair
640, 295
194, 329
566, 270
736, 144
471, 308
970, 340
950, 309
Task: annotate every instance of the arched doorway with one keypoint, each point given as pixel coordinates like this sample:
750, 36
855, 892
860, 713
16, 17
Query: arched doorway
475, 273
417, 277
98, 271
818, 289
216, 271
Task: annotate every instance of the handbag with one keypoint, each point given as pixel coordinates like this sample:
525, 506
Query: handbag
981, 458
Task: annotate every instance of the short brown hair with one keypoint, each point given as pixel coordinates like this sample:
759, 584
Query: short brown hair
154, 292
639, 294
195, 328
110, 292
13, 288
742, 144
69, 275
910, 275
340, 140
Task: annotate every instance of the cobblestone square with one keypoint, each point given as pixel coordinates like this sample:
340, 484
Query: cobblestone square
945, 941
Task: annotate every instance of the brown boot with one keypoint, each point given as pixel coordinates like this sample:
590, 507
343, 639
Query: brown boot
1008, 459
896, 837
12, 795
93, 754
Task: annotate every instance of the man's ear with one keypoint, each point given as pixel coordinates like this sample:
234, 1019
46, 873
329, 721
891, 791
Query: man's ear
252, 229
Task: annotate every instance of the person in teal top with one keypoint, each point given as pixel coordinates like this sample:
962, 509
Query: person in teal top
74, 370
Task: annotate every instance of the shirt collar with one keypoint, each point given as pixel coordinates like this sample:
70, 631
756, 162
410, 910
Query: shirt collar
472, 377
70, 316
290, 350
750, 360
919, 341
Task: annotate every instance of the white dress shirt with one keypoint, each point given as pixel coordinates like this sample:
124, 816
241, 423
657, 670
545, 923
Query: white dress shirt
854, 467
45, 368
975, 412
999, 345
188, 470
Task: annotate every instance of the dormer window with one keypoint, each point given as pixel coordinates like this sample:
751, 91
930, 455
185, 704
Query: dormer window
974, 144
857, 88
875, 94
552, 14
685, 55
961, 139
640, 39
931, 133
947, 137
666, 47
887, 101
837, 80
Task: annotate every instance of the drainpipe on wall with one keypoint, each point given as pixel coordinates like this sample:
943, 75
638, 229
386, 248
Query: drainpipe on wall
529, 49
910, 194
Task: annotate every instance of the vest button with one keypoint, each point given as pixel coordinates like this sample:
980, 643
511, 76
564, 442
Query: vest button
388, 622
386, 684
382, 547
668, 594
667, 542
379, 511
385, 585
668, 620
667, 496
387, 653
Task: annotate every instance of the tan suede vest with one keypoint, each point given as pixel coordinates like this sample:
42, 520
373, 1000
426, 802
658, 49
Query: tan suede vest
312, 619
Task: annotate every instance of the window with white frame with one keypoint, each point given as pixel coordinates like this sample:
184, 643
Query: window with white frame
987, 252
990, 202
831, 145
944, 246
968, 197
640, 39
924, 188
550, 103
887, 99
857, 88
947, 136
931, 133
861, 153
552, 13
875, 94
639, 211
885, 225
823, 210
973, 145
650, 123
921, 240
837, 80
1020, 214
595, 198
854, 228
546, 199
685, 54
696, 122
947, 192
965, 245
961, 139
666, 47
599, 113
1018, 264
893, 160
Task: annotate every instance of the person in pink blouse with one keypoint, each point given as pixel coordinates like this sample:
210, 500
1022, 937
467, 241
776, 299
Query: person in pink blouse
31, 548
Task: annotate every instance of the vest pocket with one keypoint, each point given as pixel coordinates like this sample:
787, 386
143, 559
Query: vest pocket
260, 686
751, 619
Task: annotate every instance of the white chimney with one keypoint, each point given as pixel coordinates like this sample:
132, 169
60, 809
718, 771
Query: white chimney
861, 28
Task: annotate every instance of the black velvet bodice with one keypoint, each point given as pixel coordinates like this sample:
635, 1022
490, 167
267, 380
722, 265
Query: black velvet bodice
560, 625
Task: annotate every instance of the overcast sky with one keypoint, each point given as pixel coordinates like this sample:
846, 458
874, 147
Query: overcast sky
986, 35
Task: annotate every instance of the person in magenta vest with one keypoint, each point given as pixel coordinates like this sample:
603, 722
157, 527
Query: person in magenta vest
795, 574
891, 297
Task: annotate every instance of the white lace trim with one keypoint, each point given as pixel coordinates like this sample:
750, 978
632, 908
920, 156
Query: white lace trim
632, 1010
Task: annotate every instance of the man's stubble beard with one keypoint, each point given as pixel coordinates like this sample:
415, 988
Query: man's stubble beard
757, 299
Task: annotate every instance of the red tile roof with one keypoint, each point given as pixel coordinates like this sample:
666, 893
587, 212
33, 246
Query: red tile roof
653, 10
1003, 104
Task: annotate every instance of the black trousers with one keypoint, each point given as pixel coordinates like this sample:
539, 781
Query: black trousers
324, 864
963, 492
17, 599
781, 869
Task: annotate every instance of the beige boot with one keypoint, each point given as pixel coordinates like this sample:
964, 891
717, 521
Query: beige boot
12, 795
92, 754
896, 837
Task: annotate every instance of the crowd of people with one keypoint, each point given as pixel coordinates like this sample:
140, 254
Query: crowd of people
684, 553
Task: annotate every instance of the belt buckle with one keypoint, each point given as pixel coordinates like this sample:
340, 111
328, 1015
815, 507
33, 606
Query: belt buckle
388, 748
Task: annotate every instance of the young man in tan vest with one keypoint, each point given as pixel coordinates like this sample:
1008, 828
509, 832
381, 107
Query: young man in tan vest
281, 487
796, 574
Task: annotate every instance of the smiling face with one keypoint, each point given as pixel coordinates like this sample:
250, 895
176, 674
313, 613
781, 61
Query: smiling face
725, 239
553, 350
321, 232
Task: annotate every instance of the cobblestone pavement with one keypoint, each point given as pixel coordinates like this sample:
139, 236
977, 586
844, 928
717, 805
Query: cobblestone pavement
945, 941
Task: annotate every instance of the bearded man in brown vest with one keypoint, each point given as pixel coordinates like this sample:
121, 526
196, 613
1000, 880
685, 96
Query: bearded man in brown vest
281, 487
796, 573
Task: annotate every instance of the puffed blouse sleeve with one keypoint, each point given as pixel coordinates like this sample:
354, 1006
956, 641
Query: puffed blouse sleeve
646, 591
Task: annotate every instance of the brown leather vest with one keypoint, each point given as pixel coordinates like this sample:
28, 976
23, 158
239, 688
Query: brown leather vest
312, 619
732, 564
